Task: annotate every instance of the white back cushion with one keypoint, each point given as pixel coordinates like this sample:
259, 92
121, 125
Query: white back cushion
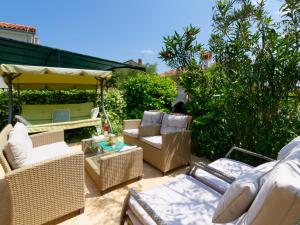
278, 201
19, 143
239, 196
283, 153
152, 118
94, 113
174, 123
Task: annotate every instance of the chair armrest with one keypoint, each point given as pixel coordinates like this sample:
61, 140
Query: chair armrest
47, 190
234, 148
149, 130
176, 146
131, 124
21, 119
211, 170
156, 218
47, 138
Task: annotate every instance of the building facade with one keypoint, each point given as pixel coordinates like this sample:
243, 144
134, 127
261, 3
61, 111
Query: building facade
19, 32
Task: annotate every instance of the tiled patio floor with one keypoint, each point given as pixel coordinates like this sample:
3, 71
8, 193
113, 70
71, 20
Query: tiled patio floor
106, 209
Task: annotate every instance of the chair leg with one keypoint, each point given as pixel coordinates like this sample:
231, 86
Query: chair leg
81, 211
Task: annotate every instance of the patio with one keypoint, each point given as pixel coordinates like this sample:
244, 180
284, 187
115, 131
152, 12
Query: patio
106, 209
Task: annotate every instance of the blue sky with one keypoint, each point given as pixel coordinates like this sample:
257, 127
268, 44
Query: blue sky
114, 29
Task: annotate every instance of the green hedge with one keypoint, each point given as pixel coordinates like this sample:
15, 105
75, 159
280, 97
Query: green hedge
113, 101
148, 92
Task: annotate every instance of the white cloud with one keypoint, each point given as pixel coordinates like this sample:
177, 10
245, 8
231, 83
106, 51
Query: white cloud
147, 52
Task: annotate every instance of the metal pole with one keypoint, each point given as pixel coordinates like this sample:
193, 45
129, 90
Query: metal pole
102, 94
102, 104
10, 99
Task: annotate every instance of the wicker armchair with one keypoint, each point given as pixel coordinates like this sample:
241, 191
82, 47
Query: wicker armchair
173, 149
45, 191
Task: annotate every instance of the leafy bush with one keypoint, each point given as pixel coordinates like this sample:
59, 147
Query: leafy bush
250, 98
148, 92
113, 102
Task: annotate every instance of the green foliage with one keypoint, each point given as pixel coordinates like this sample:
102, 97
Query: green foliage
121, 75
151, 68
250, 98
148, 92
115, 106
181, 51
113, 102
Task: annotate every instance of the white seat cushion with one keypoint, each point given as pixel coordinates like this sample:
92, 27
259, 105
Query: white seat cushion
239, 196
131, 132
155, 141
184, 201
284, 152
207, 178
173, 123
46, 152
230, 167
19, 144
151, 118
278, 201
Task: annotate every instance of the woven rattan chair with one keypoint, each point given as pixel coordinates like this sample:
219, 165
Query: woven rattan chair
173, 150
45, 191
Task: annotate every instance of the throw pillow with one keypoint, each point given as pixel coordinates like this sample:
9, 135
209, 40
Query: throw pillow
241, 193
278, 201
152, 118
174, 123
19, 144
284, 152
94, 113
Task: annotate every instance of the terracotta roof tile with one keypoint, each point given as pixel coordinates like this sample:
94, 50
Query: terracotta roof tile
168, 73
17, 27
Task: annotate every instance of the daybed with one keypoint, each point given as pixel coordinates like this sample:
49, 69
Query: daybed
165, 139
44, 184
269, 194
39, 118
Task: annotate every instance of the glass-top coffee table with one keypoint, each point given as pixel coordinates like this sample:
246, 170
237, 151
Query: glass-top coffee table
112, 166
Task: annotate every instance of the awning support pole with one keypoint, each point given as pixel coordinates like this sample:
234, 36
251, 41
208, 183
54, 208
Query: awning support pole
10, 98
102, 104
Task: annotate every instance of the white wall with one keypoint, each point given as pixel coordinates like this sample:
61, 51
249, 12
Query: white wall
19, 36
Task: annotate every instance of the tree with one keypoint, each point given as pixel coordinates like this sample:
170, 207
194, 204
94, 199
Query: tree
151, 68
247, 99
258, 70
182, 51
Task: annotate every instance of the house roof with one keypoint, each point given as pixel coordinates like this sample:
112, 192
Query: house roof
22, 53
169, 73
19, 27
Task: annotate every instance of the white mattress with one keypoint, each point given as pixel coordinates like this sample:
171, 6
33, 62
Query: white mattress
230, 167
182, 201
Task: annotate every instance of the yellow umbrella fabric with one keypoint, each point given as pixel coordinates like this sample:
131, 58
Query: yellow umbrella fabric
40, 77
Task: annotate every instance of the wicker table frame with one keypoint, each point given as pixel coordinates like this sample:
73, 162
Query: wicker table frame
111, 169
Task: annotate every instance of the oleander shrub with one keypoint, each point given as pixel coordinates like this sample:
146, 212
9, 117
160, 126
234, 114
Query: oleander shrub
251, 97
148, 92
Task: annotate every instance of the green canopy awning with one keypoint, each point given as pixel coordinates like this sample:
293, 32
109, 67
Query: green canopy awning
22, 53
